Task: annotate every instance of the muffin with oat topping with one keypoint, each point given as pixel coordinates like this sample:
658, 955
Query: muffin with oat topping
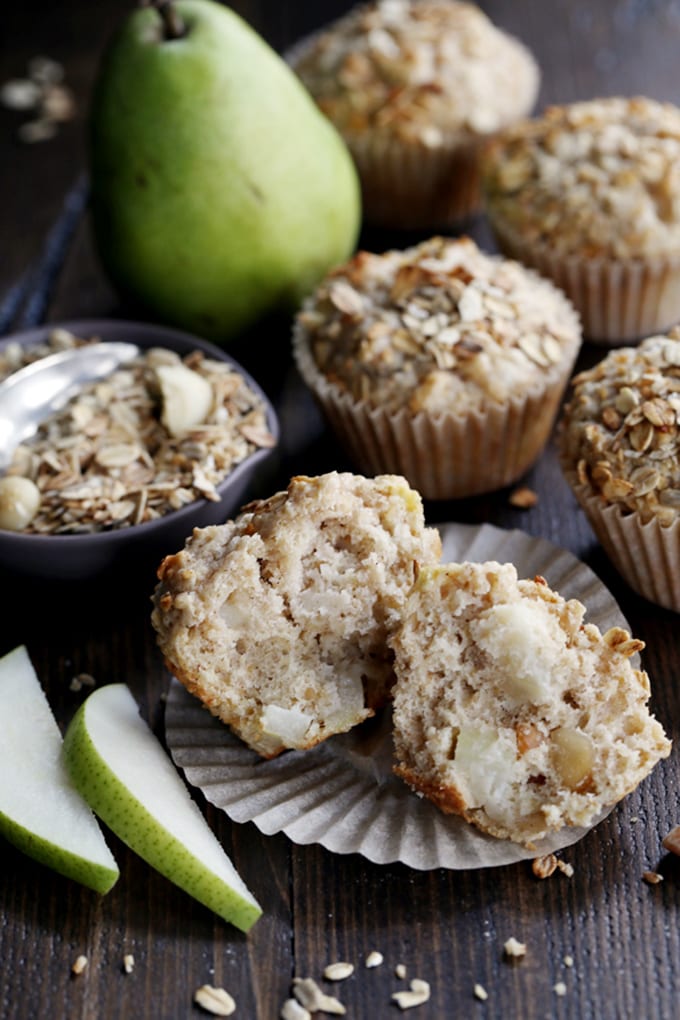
438, 362
510, 709
620, 451
416, 89
589, 194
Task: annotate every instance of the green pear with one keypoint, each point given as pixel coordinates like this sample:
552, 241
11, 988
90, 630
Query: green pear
128, 780
41, 811
220, 193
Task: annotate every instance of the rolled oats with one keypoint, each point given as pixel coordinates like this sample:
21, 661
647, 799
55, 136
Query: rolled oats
214, 1000
418, 993
596, 178
106, 461
437, 326
309, 995
637, 464
419, 71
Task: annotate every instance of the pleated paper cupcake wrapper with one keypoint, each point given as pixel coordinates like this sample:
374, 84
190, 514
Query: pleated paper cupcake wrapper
445, 456
646, 555
343, 794
408, 186
620, 301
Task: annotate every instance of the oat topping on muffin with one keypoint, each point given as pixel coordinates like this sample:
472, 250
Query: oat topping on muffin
620, 431
438, 326
421, 70
595, 178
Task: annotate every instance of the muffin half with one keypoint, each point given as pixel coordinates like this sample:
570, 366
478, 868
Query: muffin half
278, 621
509, 710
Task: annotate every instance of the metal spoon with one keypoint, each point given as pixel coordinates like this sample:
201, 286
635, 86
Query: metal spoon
30, 395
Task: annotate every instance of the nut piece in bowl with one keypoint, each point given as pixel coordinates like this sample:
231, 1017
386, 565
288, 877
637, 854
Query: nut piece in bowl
510, 709
589, 195
620, 452
438, 362
170, 441
417, 89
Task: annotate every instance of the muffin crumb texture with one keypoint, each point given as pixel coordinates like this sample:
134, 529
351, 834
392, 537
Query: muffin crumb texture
278, 621
599, 178
619, 432
512, 712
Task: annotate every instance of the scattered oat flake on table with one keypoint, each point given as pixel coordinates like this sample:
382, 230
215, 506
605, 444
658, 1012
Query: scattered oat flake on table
418, 994
514, 948
652, 877
338, 971
309, 995
374, 959
523, 498
672, 841
214, 1000
566, 868
560, 988
481, 993
79, 965
293, 1010
128, 963
568, 961
400, 971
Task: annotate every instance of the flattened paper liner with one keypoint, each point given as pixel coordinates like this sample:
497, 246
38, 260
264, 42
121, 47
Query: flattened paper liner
342, 794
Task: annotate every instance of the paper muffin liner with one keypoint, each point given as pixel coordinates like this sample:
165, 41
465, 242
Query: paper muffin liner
448, 455
647, 555
619, 300
410, 186
343, 794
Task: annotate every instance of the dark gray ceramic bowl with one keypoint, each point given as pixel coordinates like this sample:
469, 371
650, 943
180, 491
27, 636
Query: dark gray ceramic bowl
81, 557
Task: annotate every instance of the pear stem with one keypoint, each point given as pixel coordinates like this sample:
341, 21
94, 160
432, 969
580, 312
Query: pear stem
173, 26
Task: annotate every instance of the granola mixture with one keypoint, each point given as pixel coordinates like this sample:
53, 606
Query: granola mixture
438, 326
425, 72
107, 461
620, 429
596, 178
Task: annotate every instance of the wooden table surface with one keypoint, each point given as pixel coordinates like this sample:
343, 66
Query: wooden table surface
446, 927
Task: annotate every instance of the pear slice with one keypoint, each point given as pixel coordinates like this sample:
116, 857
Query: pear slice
129, 781
41, 811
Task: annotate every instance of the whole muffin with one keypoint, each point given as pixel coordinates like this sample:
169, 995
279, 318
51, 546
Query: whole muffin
589, 194
620, 451
278, 621
416, 89
509, 710
439, 362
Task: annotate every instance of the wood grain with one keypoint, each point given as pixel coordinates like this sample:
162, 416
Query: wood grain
446, 927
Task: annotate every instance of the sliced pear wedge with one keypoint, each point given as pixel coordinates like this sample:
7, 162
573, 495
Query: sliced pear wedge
128, 780
41, 811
